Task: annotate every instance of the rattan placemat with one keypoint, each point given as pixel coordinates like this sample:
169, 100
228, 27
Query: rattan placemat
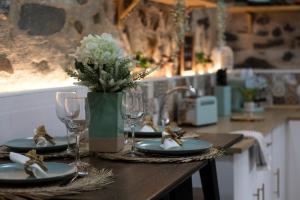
125, 155
96, 179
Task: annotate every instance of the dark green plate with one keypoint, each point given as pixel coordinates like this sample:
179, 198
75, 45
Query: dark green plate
190, 146
13, 173
26, 144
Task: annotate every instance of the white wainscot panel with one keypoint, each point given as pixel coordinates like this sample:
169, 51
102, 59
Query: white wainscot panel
22, 112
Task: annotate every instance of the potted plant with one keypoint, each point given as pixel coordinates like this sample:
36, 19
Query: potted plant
101, 65
203, 62
249, 95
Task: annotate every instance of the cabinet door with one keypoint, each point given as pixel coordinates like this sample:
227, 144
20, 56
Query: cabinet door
278, 162
293, 161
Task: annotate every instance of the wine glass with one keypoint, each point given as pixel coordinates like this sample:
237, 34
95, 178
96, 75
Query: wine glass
77, 116
132, 110
60, 112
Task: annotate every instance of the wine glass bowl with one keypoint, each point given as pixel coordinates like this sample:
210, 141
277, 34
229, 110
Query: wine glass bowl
132, 110
61, 114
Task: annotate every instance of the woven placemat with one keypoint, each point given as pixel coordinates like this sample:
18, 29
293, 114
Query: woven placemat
84, 151
96, 179
125, 155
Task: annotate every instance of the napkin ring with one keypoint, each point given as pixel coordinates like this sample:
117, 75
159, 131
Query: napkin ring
172, 136
41, 132
34, 158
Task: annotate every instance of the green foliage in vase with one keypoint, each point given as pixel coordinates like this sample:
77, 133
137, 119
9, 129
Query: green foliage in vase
101, 66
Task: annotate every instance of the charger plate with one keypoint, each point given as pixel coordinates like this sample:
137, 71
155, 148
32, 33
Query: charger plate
13, 173
26, 144
84, 151
189, 146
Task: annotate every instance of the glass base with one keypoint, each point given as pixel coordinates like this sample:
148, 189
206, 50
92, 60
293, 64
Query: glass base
132, 154
81, 167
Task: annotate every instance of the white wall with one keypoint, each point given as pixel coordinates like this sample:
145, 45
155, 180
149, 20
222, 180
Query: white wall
22, 112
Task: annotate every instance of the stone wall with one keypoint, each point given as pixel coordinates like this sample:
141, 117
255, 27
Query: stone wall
37, 37
272, 41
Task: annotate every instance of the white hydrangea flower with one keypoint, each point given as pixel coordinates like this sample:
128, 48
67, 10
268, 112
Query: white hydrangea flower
98, 49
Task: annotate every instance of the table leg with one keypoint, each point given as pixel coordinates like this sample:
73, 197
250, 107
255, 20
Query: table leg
209, 180
183, 191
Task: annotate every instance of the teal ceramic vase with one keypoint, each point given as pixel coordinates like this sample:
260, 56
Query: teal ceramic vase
105, 122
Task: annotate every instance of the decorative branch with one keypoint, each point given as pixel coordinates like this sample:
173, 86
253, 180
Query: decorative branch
221, 22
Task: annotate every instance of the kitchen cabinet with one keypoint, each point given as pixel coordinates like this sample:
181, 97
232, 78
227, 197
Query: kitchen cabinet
293, 161
240, 178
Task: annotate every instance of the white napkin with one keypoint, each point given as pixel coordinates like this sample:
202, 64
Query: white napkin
262, 157
146, 129
37, 171
42, 142
168, 142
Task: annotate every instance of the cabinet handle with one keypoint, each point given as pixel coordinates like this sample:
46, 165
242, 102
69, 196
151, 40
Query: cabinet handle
263, 191
277, 174
257, 194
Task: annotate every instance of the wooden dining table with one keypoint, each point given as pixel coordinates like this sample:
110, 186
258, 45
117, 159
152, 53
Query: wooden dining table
168, 181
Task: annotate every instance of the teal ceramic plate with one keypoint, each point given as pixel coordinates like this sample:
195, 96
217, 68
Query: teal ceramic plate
139, 133
13, 173
26, 144
189, 146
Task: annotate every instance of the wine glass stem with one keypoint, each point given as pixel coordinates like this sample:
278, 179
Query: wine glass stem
77, 153
125, 137
133, 137
68, 137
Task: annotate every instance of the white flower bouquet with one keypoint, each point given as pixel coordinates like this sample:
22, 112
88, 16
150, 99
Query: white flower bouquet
101, 65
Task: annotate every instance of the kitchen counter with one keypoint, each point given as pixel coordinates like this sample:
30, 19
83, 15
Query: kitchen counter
273, 117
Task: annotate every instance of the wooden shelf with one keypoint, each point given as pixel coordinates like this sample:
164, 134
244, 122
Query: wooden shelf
124, 7
263, 9
190, 3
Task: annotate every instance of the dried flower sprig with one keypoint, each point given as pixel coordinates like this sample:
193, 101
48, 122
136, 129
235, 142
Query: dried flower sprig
180, 19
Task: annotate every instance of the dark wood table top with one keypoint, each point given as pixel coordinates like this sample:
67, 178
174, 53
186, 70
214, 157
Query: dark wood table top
140, 181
